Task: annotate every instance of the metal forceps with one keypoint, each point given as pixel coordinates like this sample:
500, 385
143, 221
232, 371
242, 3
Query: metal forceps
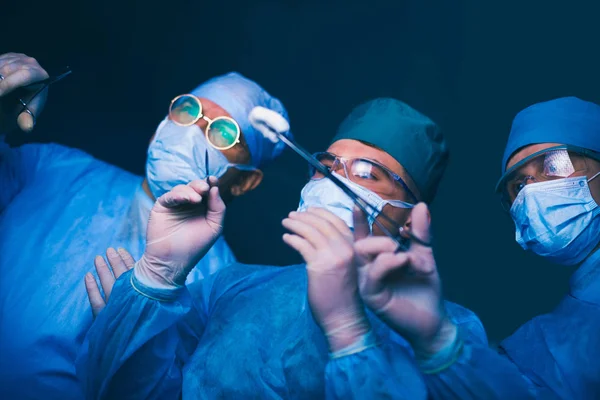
405, 235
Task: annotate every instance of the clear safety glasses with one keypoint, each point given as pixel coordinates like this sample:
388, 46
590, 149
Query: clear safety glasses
398, 234
546, 165
222, 132
367, 173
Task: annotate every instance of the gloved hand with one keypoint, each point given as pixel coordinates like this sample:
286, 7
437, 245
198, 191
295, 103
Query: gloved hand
120, 261
18, 70
325, 242
184, 224
404, 288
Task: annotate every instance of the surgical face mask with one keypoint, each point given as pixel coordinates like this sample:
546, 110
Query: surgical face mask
325, 194
177, 155
557, 219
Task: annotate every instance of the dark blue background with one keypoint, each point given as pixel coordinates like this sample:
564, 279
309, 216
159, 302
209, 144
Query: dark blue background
471, 66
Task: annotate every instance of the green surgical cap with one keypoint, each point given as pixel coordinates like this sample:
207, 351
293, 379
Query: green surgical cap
413, 139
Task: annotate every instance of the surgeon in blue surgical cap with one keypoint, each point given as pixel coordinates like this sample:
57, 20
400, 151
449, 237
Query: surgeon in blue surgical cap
264, 332
59, 207
551, 189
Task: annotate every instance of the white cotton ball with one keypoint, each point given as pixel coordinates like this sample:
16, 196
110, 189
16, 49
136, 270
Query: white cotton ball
268, 122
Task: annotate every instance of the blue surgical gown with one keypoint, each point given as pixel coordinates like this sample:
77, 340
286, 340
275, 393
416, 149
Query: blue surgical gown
246, 332
59, 207
555, 355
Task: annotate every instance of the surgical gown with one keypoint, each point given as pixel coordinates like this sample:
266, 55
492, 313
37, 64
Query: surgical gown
246, 332
59, 207
556, 355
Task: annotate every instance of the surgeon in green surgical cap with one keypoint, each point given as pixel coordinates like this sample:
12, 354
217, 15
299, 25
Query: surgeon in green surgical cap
256, 331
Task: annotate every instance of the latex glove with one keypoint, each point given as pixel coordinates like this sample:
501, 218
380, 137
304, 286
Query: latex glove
326, 244
184, 224
120, 262
404, 288
20, 70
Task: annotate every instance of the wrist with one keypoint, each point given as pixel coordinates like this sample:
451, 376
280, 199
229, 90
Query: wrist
155, 274
444, 338
442, 352
364, 342
346, 329
155, 292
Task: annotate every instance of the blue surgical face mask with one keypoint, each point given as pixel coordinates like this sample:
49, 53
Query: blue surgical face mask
177, 156
325, 194
557, 219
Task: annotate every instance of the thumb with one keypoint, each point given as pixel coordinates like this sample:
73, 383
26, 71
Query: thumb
420, 227
28, 117
216, 206
26, 121
361, 225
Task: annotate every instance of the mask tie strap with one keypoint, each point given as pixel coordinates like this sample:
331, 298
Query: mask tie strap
593, 177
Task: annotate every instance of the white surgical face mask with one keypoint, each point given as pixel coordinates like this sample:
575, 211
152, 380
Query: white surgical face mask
325, 194
557, 219
177, 156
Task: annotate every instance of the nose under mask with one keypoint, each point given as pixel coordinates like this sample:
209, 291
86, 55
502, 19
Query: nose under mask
177, 156
325, 194
557, 219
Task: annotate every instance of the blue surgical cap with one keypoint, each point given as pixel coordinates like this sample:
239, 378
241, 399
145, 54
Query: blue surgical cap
238, 95
567, 120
